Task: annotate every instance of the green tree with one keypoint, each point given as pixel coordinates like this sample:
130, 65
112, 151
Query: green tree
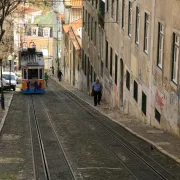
42, 4
7, 7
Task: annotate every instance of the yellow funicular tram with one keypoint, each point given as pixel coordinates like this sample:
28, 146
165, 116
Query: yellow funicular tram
32, 64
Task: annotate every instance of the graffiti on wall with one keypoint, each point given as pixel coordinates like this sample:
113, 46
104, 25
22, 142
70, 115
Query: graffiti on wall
115, 94
155, 79
108, 84
159, 99
140, 75
172, 98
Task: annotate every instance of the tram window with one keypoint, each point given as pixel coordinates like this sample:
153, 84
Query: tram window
32, 73
25, 74
40, 74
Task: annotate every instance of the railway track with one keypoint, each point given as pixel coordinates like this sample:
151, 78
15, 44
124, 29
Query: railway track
139, 165
48, 156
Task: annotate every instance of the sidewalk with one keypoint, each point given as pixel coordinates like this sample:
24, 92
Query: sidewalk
165, 142
3, 113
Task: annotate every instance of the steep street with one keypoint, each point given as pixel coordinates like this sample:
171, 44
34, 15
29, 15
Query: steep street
57, 136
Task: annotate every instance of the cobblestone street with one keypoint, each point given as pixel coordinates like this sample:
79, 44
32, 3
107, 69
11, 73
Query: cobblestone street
8, 95
57, 136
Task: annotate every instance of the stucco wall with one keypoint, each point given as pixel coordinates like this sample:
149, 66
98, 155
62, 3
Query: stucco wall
161, 93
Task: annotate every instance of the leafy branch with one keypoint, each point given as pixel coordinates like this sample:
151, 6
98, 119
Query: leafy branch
7, 7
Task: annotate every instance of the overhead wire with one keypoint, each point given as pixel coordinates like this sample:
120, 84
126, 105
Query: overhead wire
73, 23
79, 23
88, 2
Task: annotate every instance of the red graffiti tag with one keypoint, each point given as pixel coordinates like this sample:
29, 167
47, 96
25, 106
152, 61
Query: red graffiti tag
159, 100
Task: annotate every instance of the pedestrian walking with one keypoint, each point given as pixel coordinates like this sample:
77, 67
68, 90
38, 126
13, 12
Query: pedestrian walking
60, 75
53, 70
15, 68
97, 91
46, 78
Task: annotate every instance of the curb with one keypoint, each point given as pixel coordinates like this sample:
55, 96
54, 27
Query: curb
6, 111
128, 129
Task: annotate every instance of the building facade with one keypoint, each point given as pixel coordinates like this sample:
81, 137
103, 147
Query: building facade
92, 42
72, 42
134, 50
72, 53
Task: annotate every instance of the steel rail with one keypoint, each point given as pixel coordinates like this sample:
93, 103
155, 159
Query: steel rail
32, 149
59, 142
43, 154
100, 140
105, 127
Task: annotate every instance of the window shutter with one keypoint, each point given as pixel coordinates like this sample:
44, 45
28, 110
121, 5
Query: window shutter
129, 19
158, 43
51, 32
173, 55
144, 30
136, 25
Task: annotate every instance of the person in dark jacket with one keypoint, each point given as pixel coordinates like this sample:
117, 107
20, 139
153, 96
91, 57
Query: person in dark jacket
60, 75
53, 70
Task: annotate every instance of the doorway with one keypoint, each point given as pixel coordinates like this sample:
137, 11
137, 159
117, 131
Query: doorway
88, 74
121, 82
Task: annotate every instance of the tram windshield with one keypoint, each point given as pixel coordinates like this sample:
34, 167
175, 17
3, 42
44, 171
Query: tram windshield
32, 73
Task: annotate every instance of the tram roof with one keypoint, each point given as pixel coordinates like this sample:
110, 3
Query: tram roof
31, 51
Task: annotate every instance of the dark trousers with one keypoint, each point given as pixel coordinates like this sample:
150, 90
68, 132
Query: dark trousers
97, 97
59, 77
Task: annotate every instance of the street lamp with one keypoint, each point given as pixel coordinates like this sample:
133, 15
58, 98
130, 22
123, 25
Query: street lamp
2, 92
10, 58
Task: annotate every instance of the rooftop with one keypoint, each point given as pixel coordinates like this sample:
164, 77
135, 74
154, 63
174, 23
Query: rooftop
75, 25
72, 30
45, 19
73, 3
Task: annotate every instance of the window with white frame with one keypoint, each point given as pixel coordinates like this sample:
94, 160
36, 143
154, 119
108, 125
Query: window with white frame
137, 25
146, 33
34, 31
130, 19
46, 32
175, 59
160, 45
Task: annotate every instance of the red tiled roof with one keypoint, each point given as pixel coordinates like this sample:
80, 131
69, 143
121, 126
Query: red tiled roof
76, 3
73, 3
74, 40
66, 28
75, 25
71, 29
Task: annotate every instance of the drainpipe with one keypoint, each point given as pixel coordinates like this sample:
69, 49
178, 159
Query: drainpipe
151, 57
